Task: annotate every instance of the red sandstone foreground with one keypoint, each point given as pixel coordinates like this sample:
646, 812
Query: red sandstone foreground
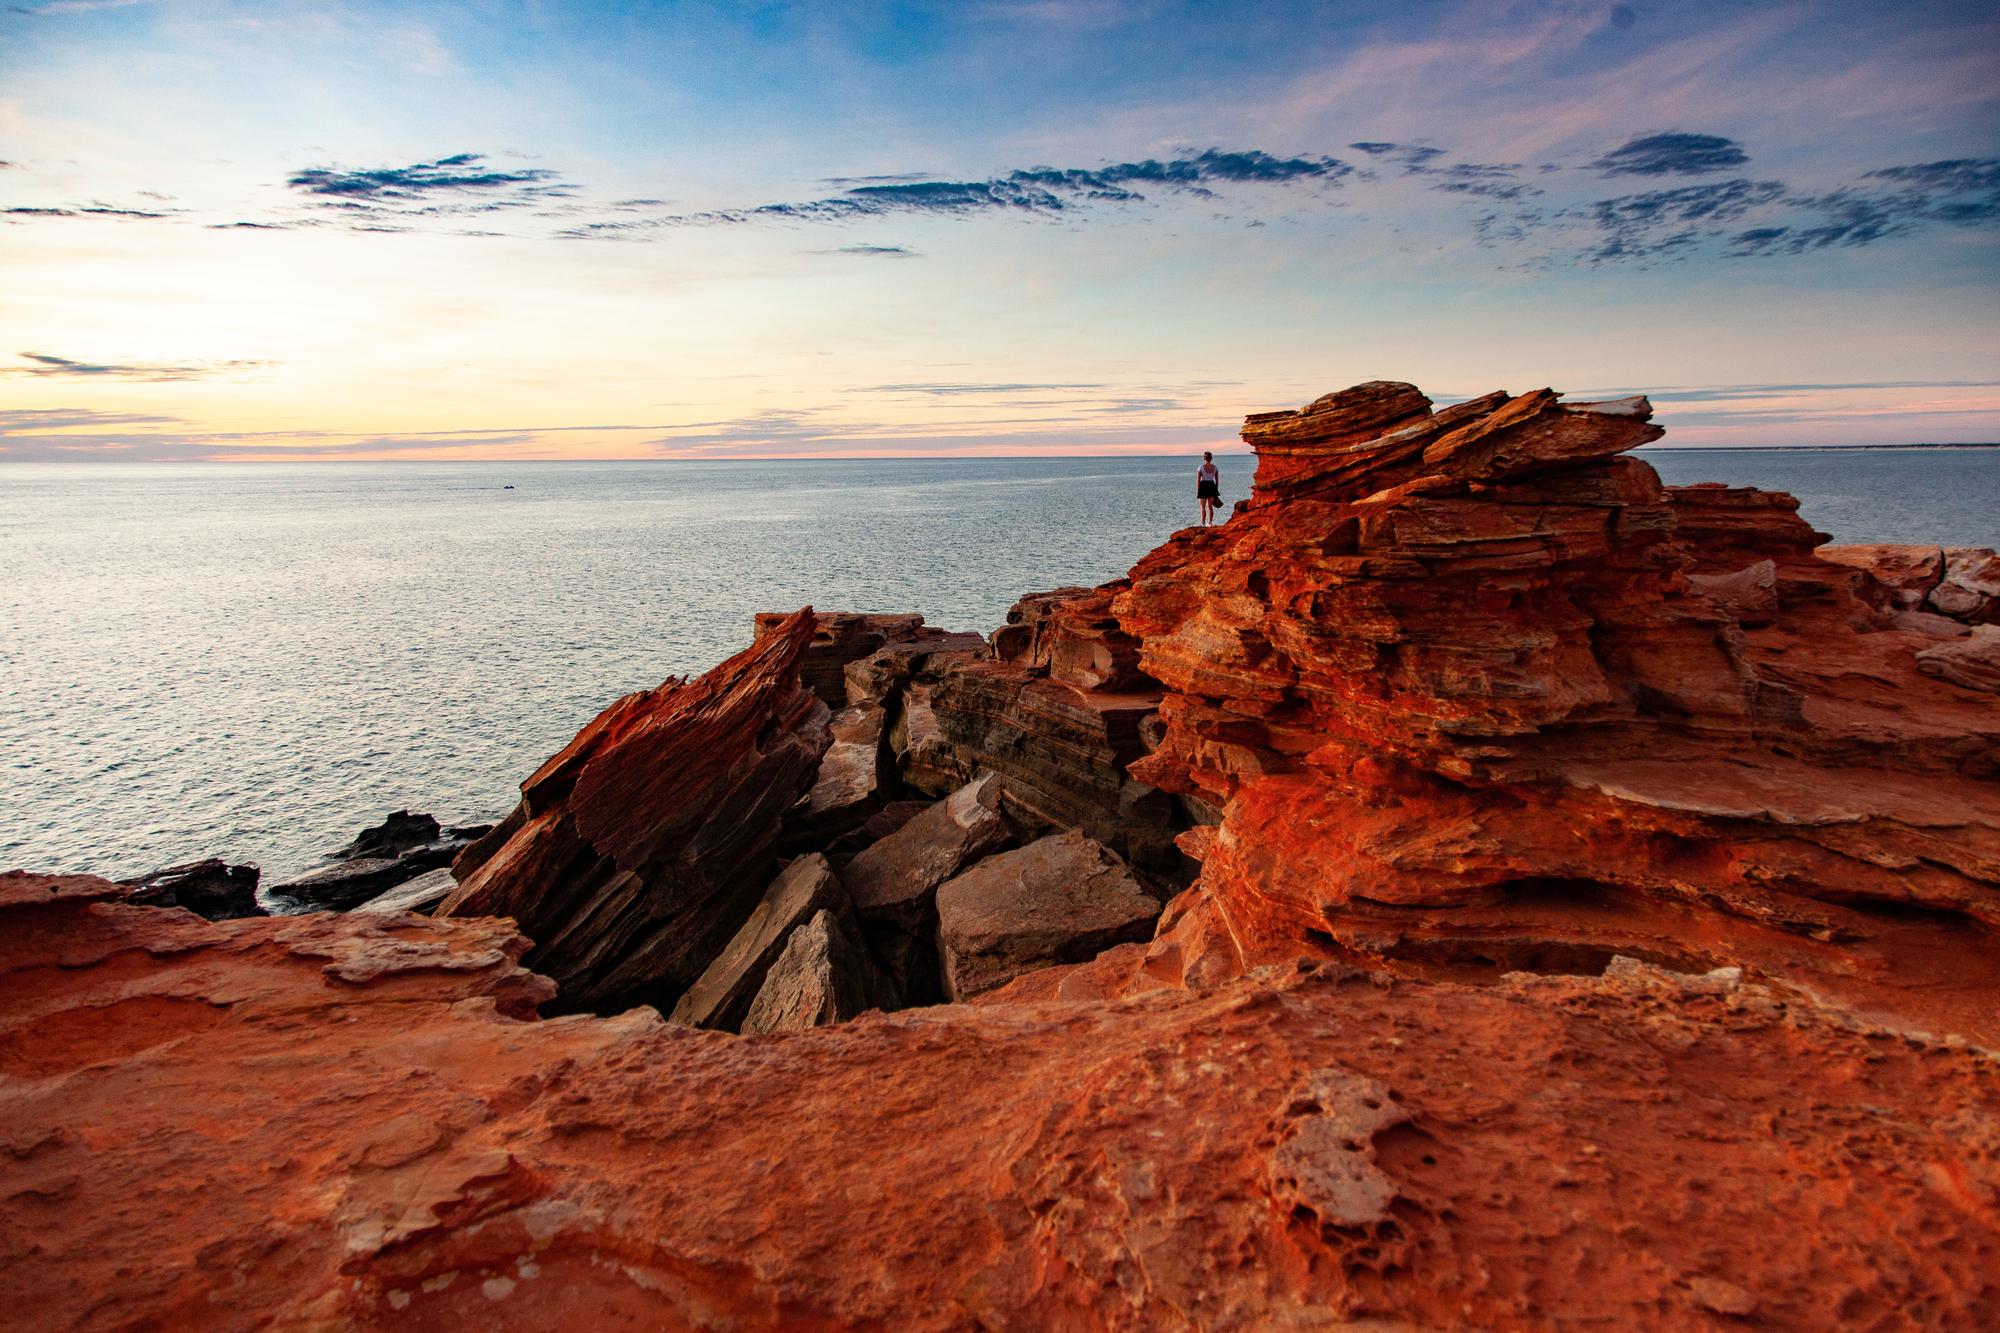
1591, 920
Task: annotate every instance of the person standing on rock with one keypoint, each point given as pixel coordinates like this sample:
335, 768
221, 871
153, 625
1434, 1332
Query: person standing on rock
1208, 487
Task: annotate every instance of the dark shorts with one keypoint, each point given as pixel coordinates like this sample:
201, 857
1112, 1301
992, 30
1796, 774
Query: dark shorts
1206, 490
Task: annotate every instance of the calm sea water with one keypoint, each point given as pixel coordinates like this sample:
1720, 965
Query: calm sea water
255, 661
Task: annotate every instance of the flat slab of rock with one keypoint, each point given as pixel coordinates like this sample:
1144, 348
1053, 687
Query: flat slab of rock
896, 878
721, 995
845, 793
1972, 662
824, 975
893, 884
1060, 899
421, 894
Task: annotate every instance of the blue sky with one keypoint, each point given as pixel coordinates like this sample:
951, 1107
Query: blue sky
524, 229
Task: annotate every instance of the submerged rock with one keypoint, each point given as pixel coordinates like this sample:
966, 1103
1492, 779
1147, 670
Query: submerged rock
402, 831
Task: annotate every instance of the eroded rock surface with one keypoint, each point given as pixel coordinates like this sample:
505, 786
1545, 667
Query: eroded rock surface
1475, 692
354, 1121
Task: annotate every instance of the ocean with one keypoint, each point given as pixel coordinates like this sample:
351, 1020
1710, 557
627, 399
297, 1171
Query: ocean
255, 661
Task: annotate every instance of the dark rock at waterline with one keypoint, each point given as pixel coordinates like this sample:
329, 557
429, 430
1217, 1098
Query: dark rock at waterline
209, 888
402, 831
400, 848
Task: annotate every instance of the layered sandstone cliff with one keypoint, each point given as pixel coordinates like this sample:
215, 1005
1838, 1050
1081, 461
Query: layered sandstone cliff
1594, 923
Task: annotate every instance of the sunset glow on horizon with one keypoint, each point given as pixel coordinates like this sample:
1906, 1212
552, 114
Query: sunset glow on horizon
500, 230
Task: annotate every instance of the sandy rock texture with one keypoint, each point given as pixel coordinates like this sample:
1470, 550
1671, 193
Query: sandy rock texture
354, 1121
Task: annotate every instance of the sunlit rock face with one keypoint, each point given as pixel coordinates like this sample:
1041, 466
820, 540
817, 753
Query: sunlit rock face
341, 1121
1476, 692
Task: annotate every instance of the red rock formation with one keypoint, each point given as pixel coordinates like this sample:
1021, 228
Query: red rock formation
1477, 693
349, 1122
642, 846
1595, 928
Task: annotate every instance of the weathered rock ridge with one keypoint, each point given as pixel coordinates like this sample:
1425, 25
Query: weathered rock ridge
1594, 924
354, 1121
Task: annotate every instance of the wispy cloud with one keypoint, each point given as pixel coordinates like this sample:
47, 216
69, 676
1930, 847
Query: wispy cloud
42, 365
872, 251
1672, 154
460, 172
85, 211
972, 389
373, 198
55, 7
1027, 191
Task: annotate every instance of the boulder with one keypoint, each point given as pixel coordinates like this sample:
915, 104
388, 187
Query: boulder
646, 842
846, 790
1899, 578
401, 832
1970, 588
893, 884
722, 994
1064, 898
209, 888
823, 975
840, 637
421, 894
1972, 663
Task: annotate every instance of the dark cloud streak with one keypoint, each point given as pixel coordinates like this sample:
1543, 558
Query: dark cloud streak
44, 366
1672, 154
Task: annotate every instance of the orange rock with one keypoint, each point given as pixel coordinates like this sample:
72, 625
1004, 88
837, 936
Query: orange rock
353, 1122
1476, 694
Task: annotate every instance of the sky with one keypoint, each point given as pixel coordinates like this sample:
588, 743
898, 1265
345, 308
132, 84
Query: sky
526, 229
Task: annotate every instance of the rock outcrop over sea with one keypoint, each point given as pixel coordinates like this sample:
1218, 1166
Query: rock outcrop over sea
1474, 886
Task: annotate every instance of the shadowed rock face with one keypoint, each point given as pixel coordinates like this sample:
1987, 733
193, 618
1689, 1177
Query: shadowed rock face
641, 848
